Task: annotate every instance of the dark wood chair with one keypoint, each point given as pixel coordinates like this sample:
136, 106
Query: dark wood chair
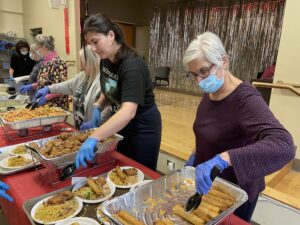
162, 76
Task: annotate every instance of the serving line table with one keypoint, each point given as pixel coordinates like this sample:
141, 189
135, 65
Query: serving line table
27, 185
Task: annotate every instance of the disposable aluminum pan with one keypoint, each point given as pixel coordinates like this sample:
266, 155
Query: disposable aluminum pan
135, 202
65, 160
19, 100
43, 121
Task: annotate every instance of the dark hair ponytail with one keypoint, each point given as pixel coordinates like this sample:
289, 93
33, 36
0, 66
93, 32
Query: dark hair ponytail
100, 23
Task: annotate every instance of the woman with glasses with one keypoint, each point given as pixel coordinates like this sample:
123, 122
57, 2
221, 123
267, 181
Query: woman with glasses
53, 70
234, 128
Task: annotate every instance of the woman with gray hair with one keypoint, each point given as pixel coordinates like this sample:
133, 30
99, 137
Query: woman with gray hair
84, 87
53, 70
234, 128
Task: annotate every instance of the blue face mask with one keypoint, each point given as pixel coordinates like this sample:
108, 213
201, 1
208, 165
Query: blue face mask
212, 83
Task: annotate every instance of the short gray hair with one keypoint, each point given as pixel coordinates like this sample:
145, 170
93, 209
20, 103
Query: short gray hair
46, 41
207, 45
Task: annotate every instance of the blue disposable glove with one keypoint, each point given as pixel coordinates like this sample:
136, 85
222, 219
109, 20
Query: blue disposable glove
3, 188
203, 170
25, 88
86, 126
11, 78
96, 118
86, 152
191, 160
43, 100
42, 92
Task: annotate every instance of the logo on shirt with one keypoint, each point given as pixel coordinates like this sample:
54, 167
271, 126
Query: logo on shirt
110, 74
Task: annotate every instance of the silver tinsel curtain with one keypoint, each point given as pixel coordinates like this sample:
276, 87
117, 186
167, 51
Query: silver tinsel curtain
249, 29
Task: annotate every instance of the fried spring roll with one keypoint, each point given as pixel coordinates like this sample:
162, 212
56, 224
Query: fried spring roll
210, 207
120, 173
223, 191
190, 217
121, 219
90, 181
211, 201
167, 221
211, 214
221, 194
129, 218
226, 202
202, 214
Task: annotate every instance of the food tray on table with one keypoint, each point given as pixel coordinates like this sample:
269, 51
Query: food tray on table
6, 152
167, 192
67, 159
88, 210
19, 100
41, 121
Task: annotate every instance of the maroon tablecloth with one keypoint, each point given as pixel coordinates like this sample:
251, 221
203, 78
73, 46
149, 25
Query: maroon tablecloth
26, 185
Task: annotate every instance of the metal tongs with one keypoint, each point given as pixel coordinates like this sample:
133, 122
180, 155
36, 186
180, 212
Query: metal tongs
33, 104
195, 200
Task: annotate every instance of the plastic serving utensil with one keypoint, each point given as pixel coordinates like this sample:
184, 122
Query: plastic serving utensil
195, 200
33, 104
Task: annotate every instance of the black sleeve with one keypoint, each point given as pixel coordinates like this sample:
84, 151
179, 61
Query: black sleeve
133, 83
13, 61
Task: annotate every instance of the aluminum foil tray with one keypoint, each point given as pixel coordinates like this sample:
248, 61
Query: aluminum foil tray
19, 100
135, 202
65, 160
43, 121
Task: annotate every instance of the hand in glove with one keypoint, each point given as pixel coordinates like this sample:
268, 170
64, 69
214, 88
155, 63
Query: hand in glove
25, 88
96, 118
42, 92
86, 152
191, 160
3, 188
86, 126
203, 170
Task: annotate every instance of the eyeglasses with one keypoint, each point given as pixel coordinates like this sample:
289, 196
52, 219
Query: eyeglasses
203, 73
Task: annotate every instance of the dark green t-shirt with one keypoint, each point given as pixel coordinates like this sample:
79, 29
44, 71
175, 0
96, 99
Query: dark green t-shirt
126, 81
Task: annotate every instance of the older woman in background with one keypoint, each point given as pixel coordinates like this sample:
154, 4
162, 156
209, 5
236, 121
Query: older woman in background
234, 128
53, 70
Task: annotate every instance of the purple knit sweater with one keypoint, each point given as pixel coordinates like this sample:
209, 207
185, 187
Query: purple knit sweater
243, 125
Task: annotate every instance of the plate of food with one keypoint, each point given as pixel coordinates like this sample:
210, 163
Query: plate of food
16, 162
19, 150
56, 209
79, 221
125, 177
93, 190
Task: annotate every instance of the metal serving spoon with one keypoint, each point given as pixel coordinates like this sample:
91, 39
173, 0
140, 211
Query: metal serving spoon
195, 200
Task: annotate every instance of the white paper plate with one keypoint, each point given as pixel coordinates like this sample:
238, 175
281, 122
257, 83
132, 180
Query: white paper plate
140, 184
35, 207
80, 220
140, 175
98, 200
4, 163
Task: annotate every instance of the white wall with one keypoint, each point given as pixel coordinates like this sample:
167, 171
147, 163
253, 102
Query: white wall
285, 104
11, 17
37, 13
